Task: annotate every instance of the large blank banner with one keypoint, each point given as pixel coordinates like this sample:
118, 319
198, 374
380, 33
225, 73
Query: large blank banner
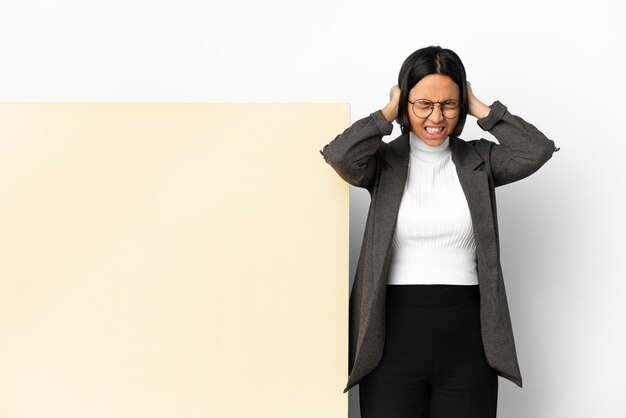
172, 260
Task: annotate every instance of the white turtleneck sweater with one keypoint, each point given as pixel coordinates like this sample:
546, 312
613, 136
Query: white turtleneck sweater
434, 238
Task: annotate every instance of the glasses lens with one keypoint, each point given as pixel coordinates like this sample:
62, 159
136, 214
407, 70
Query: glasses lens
423, 108
451, 109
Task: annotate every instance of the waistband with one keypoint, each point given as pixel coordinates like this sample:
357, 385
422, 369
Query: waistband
428, 296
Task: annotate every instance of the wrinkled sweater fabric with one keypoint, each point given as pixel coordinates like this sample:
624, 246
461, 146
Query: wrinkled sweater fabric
434, 239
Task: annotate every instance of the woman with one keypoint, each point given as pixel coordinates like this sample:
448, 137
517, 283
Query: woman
430, 330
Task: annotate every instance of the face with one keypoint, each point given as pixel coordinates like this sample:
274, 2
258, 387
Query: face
436, 88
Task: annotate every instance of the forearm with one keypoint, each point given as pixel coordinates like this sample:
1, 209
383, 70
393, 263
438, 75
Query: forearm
352, 153
522, 148
480, 110
516, 134
358, 141
390, 112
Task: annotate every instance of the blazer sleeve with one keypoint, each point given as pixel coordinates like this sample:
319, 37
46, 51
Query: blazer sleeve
354, 153
522, 148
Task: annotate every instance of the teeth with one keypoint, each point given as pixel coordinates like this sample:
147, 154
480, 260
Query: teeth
434, 130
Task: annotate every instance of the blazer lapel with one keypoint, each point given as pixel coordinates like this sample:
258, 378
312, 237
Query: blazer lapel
393, 175
474, 180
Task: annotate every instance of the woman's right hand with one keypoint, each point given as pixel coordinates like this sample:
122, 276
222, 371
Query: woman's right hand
391, 110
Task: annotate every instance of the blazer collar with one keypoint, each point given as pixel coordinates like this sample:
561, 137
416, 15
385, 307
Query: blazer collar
464, 155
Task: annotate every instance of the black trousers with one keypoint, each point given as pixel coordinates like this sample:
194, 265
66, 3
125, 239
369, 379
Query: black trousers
433, 363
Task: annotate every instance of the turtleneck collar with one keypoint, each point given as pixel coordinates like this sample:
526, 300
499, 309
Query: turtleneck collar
424, 152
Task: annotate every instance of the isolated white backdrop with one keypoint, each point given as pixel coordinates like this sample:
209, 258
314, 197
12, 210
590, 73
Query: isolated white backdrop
558, 65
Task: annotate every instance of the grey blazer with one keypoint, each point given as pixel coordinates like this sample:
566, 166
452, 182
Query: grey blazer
362, 159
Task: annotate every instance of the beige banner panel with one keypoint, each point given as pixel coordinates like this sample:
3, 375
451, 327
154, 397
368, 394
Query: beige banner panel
172, 260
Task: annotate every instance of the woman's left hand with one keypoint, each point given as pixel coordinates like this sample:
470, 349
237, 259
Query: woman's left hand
475, 107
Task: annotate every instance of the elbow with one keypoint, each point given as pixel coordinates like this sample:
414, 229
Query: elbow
336, 162
352, 173
330, 157
323, 156
549, 151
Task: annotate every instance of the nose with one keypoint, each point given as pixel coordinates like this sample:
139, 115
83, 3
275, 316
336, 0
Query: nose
436, 116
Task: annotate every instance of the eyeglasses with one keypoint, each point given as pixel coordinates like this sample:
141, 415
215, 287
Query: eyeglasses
422, 108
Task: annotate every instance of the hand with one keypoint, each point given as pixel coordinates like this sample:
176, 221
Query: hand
475, 107
391, 109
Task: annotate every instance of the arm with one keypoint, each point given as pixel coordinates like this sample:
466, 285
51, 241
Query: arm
352, 154
522, 148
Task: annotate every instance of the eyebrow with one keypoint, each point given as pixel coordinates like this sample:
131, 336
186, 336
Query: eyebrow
447, 100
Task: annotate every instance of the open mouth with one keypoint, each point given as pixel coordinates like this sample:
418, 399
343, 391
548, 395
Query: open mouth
434, 132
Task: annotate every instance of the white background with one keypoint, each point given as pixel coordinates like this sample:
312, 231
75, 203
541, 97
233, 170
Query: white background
557, 65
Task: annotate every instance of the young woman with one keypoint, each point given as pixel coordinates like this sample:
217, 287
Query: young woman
430, 330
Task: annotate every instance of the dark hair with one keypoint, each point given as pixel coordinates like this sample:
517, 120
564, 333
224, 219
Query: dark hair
430, 60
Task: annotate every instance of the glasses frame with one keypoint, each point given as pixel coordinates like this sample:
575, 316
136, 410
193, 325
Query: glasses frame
432, 107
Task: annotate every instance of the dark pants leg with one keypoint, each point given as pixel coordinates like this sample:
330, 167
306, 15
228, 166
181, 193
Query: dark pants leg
433, 363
